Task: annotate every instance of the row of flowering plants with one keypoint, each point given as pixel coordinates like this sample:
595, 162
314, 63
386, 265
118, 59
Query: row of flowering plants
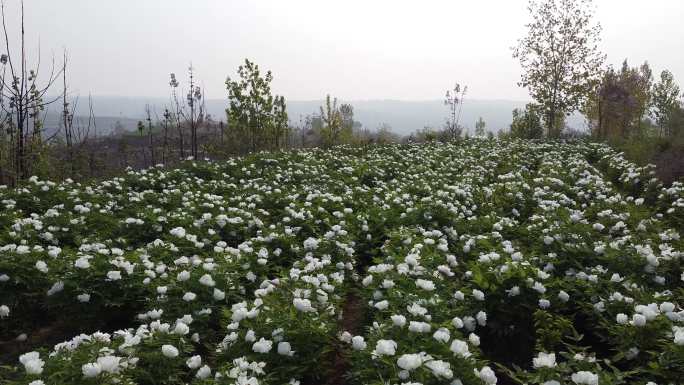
481, 262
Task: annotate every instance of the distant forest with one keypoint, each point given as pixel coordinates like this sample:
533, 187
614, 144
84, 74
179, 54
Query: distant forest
575, 95
404, 117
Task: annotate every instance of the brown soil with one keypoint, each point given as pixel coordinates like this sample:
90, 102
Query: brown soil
353, 314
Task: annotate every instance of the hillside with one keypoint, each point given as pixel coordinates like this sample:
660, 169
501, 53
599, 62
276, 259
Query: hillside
429, 264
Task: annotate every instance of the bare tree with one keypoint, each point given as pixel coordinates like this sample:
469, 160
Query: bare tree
178, 112
149, 134
454, 99
75, 132
25, 101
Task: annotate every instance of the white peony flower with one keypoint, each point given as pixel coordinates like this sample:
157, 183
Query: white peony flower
169, 351
544, 360
585, 378
385, 348
194, 362
358, 343
410, 361
91, 369
262, 346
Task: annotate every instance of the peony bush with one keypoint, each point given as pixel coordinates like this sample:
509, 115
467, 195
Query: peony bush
481, 262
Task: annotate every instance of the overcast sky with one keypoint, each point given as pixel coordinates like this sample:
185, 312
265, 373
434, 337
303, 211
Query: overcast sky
353, 49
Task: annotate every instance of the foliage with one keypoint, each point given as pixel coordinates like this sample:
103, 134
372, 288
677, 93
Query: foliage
480, 127
337, 123
666, 105
471, 262
256, 118
620, 102
527, 124
560, 57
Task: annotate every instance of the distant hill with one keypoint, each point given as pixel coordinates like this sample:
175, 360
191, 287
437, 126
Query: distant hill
403, 116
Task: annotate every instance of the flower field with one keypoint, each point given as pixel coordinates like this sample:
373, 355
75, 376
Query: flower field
484, 262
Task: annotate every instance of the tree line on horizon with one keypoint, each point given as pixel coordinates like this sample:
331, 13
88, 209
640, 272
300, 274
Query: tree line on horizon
563, 69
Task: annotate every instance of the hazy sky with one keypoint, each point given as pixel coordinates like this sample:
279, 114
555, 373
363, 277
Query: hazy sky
352, 49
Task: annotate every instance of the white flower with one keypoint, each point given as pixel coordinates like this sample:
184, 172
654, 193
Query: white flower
419, 327
207, 280
345, 337
109, 364
487, 375
460, 348
114, 275
425, 284
622, 318
358, 343
181, 328
84, 298
478, 295
55, 288
440, 368
32, 362
303, 305
219, 295
262, 346
638, 320
410, 361
42, 266
310, 243
513, 291
183, 276
4, 311
398, 320
584, 377
679, 337
474, 339
416, 310
481, 318
367, 280
189, 296
544, 360
91, 369
539, 287
285, 349
442, 335
203, 372
194, 362
169, 351
563, 296
385, 348
178, 232
382, 305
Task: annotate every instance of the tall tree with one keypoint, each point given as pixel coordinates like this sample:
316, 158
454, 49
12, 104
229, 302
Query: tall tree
560, 57
665, 101
332, 120
480, 127
527, 123
22, 100
454, 100
620, 101
177, 114
255, 115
